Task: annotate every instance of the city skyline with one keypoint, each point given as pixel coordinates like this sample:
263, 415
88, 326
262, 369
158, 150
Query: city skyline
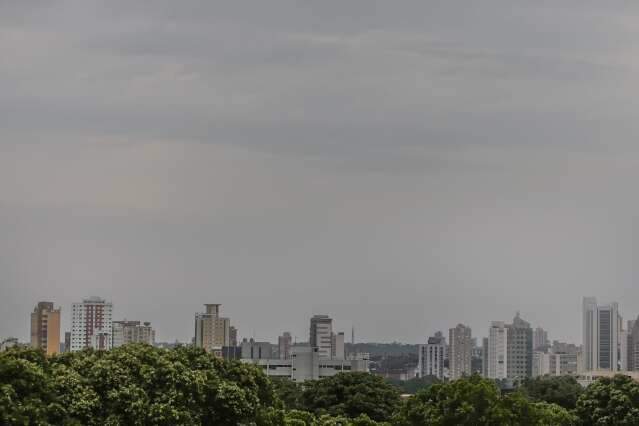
482, 329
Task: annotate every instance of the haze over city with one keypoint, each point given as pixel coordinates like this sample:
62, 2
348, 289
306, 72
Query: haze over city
402, 166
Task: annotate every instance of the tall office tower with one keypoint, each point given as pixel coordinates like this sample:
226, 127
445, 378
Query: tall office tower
67, 341
337, 346
519, 349
460, 355
497, 350
45, 328
431, 357
284, 343
212, 332
125, 332
600, 335
633, 345
91, 324
321, 335
484, 357
623, 347
540, 340
232, 336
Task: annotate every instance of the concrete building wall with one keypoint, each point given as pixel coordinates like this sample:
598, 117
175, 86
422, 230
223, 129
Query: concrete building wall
460, 354
45, 328
91, 324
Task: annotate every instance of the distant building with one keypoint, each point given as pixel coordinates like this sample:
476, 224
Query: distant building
232, 352
601, 326
540, 340
212, 332
67, 341
305, 363
497, 359
256, 350
232, 336
91, 324
460, 355
125, 332
284, 343
633, 346
321, 335
337, 346
45, 328
431, 357
484, 357
540, 364
519, 349
9, 342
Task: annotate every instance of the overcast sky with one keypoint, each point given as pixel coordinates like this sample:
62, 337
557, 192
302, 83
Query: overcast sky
399, 165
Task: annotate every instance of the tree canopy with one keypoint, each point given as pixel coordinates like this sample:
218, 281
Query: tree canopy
610, 401
142, 385
477, 401
562, 390
350, 395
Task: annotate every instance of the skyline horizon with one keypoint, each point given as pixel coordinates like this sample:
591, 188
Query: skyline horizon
304, 337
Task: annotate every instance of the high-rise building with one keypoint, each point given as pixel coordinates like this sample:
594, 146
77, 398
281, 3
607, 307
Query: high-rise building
633, 345
91, 324
212, 332
125, 332
45, 328
519, 349
337, 346
256, 350
540, 340
67, 341
284, 343
484, 357
321, 335
460, 354
600, 335
232, 336
431, 357
497, 360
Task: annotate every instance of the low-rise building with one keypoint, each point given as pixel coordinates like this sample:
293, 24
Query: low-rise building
306, 363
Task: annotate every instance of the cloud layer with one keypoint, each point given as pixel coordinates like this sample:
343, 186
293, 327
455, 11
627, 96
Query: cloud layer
402, 166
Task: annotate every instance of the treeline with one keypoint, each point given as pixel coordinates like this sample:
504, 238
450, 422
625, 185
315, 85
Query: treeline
142, 385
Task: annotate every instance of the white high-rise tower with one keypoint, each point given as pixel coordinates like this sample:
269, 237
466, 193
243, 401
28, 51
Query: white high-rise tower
600, 335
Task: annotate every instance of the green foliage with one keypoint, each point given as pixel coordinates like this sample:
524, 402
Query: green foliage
289, 393
476, 401
351, 395
563, 390
610, 401
413, 386
132, 385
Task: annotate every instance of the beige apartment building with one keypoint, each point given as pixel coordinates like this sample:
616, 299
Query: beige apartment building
45, 328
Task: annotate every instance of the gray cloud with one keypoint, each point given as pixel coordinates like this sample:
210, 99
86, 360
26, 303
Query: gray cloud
403, 166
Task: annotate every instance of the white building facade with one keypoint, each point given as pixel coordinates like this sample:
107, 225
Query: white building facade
91, 324
601, 331
431, 357
497, 365
305, 363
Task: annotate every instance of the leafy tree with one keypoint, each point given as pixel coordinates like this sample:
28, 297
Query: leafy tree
132, 385
350, 395
289, 393
477, 401
412, 386
610, 401
563, 390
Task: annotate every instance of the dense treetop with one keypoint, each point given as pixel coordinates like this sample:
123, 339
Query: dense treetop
142, 385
